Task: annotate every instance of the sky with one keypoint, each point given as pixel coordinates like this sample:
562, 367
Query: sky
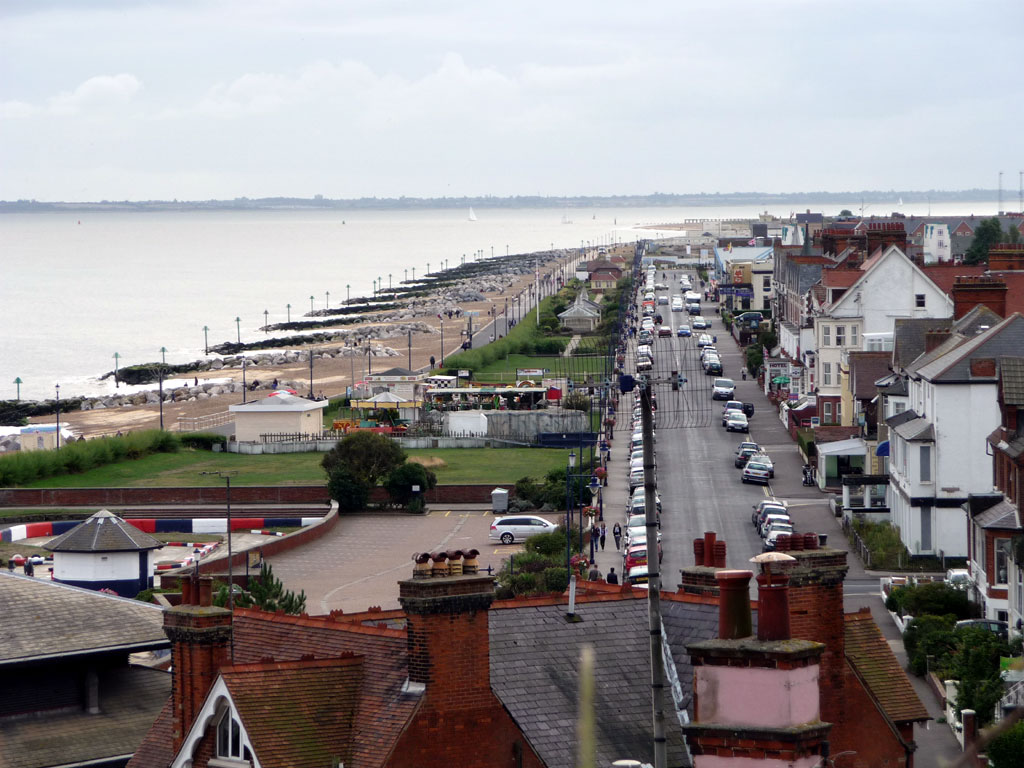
217, 99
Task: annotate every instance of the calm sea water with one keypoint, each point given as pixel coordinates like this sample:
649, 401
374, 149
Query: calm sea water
77, 287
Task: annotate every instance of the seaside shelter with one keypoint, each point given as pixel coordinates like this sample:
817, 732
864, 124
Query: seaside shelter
401, 381
105, 552
279, 414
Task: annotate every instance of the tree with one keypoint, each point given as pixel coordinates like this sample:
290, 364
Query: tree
1012, 234
349, 491
1007, 749
576, 400
845, 213
265, 592
986, 234
400, 481
975, 663
369, 456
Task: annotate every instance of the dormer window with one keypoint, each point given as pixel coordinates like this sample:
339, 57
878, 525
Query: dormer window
229, 736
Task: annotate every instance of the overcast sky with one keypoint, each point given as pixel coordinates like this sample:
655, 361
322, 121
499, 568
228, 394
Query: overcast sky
202, 99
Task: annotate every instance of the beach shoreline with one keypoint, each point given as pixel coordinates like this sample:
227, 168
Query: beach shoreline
331, 376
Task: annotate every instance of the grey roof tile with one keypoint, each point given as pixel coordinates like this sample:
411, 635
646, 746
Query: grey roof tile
1012, 382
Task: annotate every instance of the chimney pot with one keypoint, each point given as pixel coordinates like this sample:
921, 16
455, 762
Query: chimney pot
709, 548
206, 591
810, 540
782, 543
698, 552
719, 555
734, 619
440, 568
455, 562
186, 589
772, 605
422, 568
470, 565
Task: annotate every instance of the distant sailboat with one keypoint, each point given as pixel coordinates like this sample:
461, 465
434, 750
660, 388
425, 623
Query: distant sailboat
472, 216
901, 201
565, 217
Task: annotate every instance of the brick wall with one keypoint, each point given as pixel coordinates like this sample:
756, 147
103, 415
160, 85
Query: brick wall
866, 732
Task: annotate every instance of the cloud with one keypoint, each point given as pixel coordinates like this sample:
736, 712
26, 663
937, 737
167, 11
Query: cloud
97, 94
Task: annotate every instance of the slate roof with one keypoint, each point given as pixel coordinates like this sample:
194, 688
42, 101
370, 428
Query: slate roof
103, 532
77, 621
909, 337
915, 429
1002, 516
1012, 380
979, 319
901, 418
130, 700
877, 667
1004, 339
865, 369
320, 698
534, 669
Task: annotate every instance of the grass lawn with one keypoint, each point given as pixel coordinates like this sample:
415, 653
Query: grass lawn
505, 369
451, 465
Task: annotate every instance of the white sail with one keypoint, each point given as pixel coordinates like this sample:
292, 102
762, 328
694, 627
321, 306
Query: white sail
472, 216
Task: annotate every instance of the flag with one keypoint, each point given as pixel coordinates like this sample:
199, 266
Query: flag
752, 241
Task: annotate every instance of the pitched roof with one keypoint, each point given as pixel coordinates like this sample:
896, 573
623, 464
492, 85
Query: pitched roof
865, 369
909, 335
103, 532
77, 621
392, 372
130, 700
915, 429
954, 365
840, 278
980, 318
877, 667
278, 403
535, 658
1011, 371
320, 698
1002, 515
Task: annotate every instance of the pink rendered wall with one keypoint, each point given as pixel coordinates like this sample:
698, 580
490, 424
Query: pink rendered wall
767, 698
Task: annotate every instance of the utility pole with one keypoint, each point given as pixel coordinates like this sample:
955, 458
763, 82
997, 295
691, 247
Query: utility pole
654, 584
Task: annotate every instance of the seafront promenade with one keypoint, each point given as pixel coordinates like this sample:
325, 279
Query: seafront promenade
332, 376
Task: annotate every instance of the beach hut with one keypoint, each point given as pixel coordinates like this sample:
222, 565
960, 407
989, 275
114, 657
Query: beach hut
279, 414
105, 552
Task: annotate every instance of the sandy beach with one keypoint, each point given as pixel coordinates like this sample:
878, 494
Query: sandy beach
331, 376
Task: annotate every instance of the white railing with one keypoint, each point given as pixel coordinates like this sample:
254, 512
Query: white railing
199, 423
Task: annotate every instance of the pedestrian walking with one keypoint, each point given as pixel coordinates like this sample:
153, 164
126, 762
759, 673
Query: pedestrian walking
595, 574
604, 532
617, 535
613, 577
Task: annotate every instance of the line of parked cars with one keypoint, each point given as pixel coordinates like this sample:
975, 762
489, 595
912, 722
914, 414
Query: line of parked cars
771, 519
635, 545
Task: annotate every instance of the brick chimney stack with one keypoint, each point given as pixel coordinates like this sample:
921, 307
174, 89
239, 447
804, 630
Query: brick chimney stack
200, 635
447, 631
935, 337
754, 699
1006, 257
971, 290
708, 559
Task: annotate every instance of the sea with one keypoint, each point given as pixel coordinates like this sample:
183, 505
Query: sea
78, 287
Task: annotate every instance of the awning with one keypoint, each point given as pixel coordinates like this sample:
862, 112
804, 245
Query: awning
882, 449
780, 380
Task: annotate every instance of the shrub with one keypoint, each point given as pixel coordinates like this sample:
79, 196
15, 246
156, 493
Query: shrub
556, 579
523, 583
202, 440
349, 491
1007, 749
400, 481
935, 598
928, 636
548, 544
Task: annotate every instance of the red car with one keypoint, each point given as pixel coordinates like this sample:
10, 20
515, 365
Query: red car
637, 555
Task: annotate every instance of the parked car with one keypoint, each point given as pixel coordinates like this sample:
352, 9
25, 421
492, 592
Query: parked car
773, 505
998, 627
704, 340
723, 389
742, 456
773, 535
770, 520
511, 529
748, 409
638, 496
737, 422
700, 323
677, 304
731, 407
765, 459
713, 366
636, 478
637, 555
683, 330
637, 576
756, 471
664, 331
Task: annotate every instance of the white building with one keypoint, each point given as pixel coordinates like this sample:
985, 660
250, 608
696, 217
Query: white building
279, 414
937, 445
936, 244
861, 306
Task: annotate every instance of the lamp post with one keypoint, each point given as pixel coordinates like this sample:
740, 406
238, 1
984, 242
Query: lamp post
348, 293
266, 321
288, 307
442, 342
117, 356
406, 279
506, 250
389, 282
206, 339
311, 304
414, 274
327, 299
568, 514
506, 315
57, 387
311, 374
226, 475
163, 364
17, 383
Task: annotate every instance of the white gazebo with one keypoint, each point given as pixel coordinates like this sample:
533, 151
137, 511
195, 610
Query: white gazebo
280, 414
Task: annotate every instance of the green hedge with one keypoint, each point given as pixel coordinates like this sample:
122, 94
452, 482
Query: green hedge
26, 467
523, 339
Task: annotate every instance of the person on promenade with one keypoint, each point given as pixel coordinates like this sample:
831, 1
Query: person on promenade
613, 577
595, 574
604, 532
617, 535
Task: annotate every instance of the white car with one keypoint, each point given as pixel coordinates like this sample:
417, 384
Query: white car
677, 304
737, 422
509, 530
704, 340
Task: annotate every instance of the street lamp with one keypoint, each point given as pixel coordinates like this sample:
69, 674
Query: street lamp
226, 475
327, 302
266, 322
57, 387
389, 282
348, 293
311, 304
238, 328
568, 514
289, 308
117, 356
206, 339
17, 382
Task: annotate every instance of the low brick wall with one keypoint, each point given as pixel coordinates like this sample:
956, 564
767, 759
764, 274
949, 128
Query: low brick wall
216, 495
